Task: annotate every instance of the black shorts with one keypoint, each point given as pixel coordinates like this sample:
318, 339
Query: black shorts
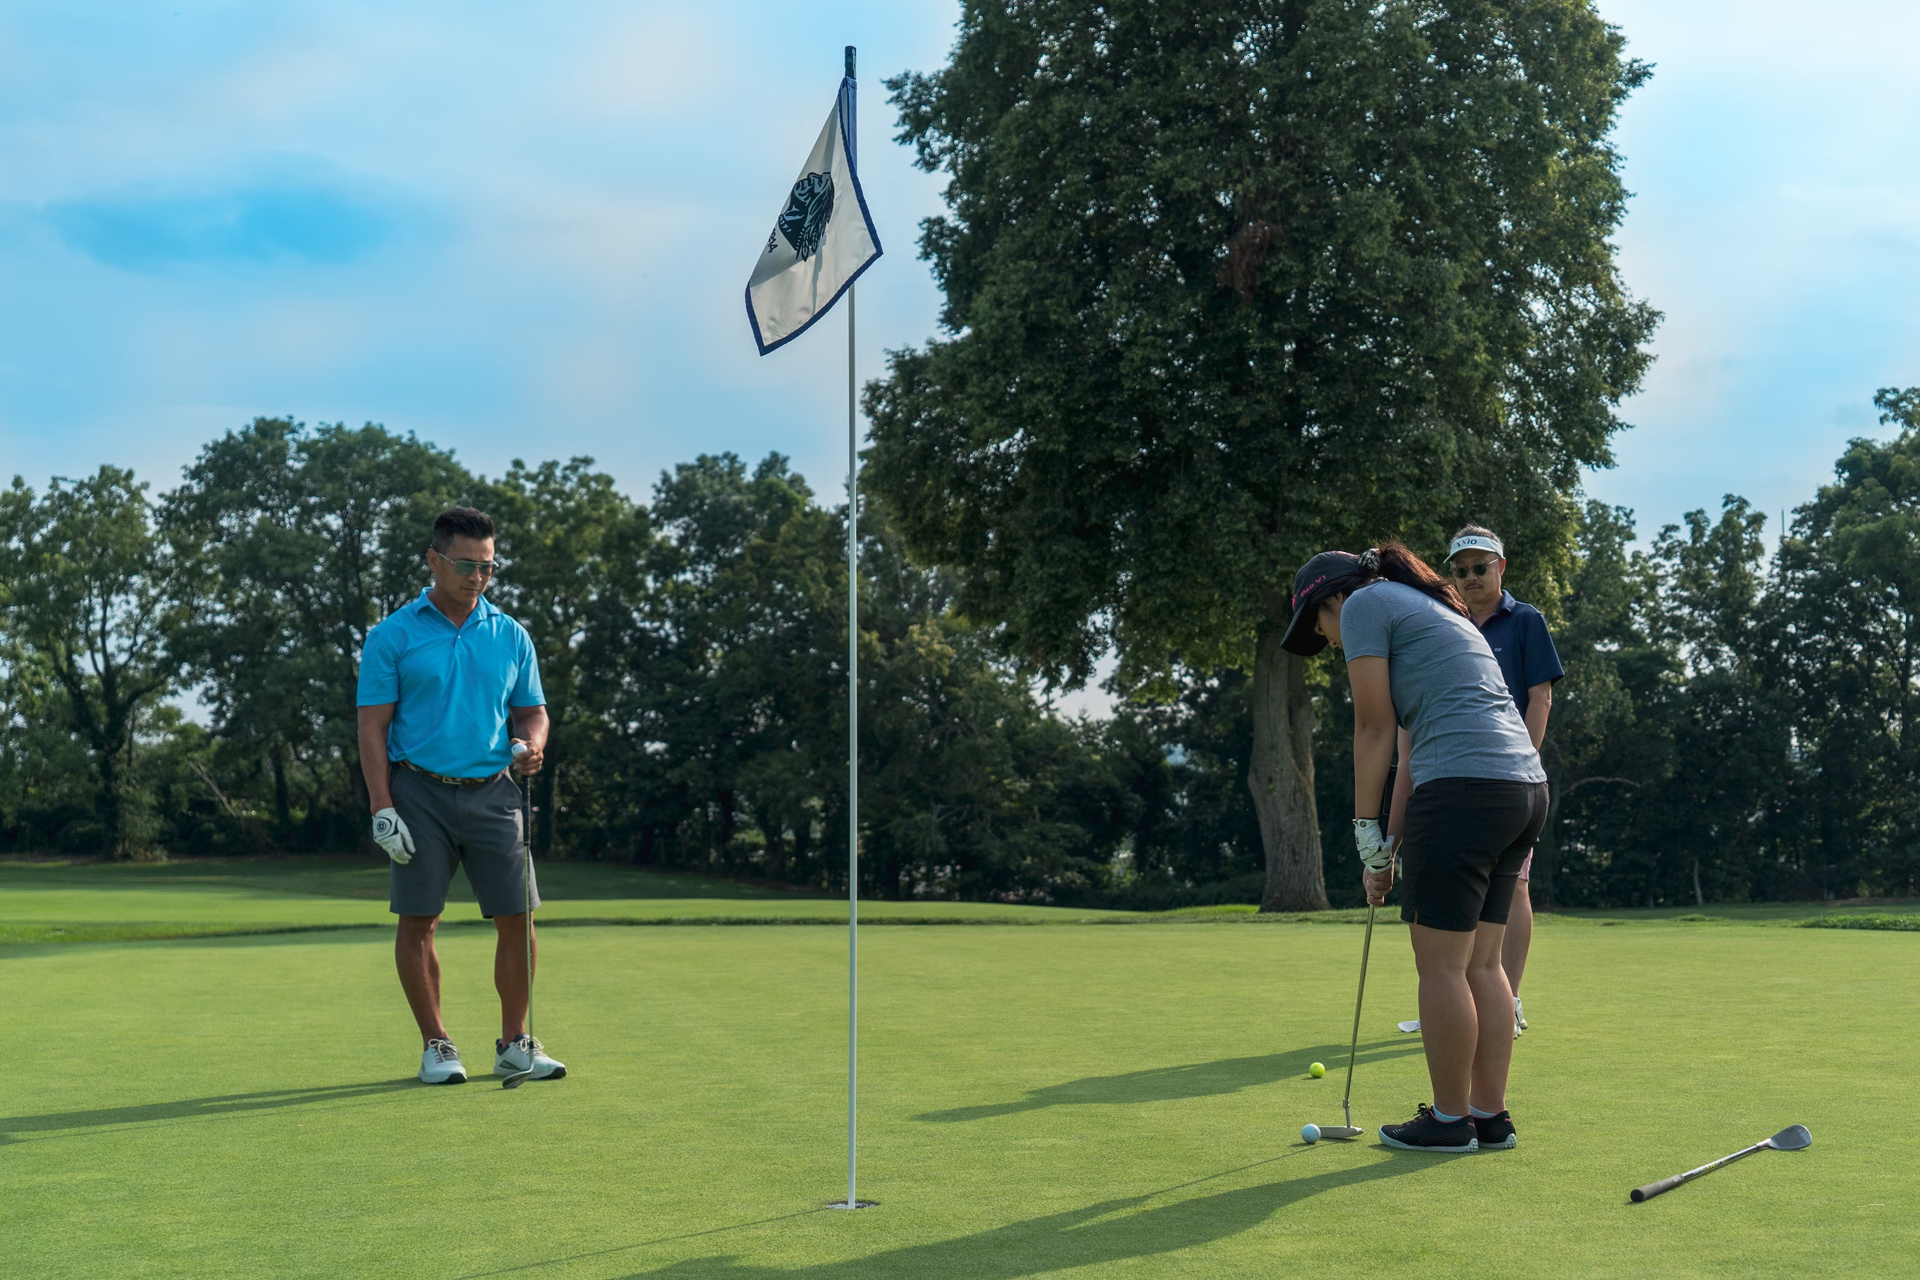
1465, 842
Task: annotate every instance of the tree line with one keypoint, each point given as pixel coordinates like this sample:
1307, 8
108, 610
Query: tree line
1732, 727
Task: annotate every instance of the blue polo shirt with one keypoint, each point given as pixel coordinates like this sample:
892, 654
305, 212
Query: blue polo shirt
1522, 646
453, 686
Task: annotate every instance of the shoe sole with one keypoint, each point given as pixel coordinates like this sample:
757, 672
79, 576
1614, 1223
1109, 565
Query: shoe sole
1513, 1140
558, 1074
1473, 1144
448, 1080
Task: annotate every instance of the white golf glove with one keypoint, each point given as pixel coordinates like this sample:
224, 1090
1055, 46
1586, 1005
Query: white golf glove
1374, 844
390, 833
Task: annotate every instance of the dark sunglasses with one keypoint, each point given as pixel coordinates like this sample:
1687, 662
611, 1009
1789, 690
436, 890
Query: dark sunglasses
1478, 570
467, 568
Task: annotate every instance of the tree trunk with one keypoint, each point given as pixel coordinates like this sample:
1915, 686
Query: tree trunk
113, 806
282, 805
1281, 778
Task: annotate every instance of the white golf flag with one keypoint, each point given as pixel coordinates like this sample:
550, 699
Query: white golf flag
820, 243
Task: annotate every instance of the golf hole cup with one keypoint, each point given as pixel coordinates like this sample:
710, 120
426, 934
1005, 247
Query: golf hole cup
1310, 1133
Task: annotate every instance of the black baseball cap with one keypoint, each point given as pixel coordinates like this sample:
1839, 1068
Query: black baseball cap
1320, 577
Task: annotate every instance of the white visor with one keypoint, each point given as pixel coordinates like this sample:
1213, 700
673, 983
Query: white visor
1477, 542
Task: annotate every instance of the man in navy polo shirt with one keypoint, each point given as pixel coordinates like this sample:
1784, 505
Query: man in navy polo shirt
448, 685
1523, 647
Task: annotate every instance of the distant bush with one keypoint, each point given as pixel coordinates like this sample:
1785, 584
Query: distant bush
1900, 924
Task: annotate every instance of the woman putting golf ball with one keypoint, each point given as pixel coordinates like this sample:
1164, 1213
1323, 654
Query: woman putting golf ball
1417, 663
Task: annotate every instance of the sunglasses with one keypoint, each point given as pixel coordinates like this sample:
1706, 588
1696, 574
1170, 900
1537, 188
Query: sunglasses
467, 568
1478, 570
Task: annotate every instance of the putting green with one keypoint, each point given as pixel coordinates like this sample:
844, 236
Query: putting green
1108, 1101
52, 901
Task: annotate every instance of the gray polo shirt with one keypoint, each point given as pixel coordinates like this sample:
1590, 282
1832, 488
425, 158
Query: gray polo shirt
1448, 692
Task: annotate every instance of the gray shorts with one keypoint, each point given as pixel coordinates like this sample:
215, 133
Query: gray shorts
476, 827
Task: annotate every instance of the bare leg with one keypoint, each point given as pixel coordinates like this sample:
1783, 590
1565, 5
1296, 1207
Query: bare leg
1493, 998
1448, 1023
419, 966
1513, 952
510, 977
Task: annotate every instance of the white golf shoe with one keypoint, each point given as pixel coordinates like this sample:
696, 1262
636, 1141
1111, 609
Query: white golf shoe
1519, 1018
511, 1057
440, 1064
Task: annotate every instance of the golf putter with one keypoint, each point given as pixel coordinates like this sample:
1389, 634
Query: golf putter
526, 842
1791, 1138
1348, 1130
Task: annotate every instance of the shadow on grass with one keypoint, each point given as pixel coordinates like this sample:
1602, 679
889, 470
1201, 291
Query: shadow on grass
194, 1108
1169, 1084
1110, 1231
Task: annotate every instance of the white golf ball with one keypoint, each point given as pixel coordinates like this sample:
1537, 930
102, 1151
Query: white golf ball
1310, 1133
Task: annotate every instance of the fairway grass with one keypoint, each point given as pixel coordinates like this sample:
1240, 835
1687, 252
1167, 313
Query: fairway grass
1097, 1101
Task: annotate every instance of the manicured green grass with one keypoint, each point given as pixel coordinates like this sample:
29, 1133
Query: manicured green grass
55, 901
1099, 1101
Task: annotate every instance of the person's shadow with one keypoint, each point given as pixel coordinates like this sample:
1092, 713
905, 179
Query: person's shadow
192, 1108
1110, 1231
1190, 1080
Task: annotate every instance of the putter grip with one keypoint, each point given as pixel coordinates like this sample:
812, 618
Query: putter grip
1653, 1189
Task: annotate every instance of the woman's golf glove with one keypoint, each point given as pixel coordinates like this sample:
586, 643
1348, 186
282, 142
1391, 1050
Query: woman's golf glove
1375, 845
390, 833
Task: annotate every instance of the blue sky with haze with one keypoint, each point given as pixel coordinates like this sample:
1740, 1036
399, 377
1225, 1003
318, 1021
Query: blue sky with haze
524, 231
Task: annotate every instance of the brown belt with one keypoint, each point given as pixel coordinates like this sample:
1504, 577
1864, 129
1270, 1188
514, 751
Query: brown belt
441, 777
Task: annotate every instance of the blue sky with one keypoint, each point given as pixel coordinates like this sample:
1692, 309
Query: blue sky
524, 231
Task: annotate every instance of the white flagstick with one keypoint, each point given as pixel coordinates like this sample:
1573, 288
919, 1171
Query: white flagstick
853, 737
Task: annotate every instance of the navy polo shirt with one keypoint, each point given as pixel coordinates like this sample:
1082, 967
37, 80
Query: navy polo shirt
453, 686
1522, 646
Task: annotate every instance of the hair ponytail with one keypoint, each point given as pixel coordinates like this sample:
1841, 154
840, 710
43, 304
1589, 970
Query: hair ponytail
1394, 562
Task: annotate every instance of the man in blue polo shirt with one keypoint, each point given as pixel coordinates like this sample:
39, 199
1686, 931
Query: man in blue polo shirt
448, 686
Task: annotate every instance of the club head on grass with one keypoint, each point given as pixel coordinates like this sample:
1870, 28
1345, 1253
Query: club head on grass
1791, 1138
1340, 1131
515, 1080
1411, 1024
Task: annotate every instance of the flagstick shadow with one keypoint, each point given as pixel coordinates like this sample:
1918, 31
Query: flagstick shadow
1109, 1231
1167, 1084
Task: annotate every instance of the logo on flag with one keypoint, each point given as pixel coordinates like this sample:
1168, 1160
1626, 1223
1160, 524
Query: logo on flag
804, 224
821, 241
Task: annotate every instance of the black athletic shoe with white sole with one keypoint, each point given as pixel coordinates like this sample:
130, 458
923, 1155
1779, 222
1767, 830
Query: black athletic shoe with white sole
1428, 1132
1495, 1133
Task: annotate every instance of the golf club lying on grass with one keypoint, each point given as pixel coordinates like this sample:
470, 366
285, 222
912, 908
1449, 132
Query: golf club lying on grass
526, 843
1348, 1130
1791, 1138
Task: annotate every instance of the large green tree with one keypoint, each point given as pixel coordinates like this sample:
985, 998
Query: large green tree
558, 525
1850, 602
90, 596
1228, 282
309, 537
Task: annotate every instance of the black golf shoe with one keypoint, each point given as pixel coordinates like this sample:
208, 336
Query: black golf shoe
1428, 1132
1495, 1133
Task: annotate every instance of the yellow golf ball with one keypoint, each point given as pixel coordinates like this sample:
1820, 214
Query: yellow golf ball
1317, 1070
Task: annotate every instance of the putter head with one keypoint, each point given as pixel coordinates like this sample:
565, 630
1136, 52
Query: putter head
515, 1080
1346, 1130
1791, 1138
